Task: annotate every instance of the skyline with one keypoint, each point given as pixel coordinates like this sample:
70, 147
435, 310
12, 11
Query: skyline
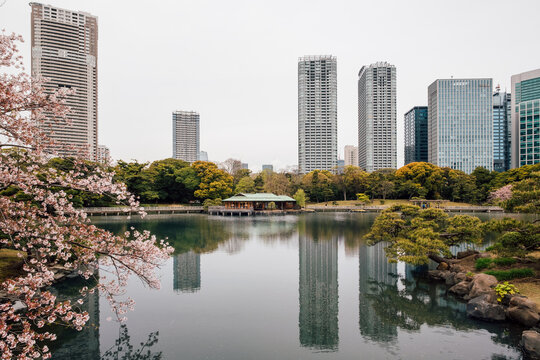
230, 91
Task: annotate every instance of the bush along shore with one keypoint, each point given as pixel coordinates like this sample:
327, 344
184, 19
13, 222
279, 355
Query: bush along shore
490, 300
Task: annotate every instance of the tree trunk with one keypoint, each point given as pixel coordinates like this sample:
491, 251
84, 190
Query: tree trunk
439, 259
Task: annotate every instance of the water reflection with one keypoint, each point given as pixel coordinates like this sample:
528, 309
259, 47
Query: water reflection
187, 272
73, 344
123, 349
376, 273
318, 319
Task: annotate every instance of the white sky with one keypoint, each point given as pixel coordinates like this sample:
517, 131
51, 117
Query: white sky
235, 62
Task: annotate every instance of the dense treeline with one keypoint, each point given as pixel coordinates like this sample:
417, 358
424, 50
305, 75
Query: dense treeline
176, 181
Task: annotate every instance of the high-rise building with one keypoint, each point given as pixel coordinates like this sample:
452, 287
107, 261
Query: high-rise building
460, 123
64, 50
245, 166
186, 135
203, 156
525, 118
377, 139
502, 119
268, 167
416, 134
103, 154
351, 155
317, 113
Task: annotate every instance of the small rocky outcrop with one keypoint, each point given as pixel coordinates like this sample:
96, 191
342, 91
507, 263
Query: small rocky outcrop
485, 307
523, 311
460, 289
530, 340
481, 284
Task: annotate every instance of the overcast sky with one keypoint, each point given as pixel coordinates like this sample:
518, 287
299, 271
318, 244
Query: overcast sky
235, 62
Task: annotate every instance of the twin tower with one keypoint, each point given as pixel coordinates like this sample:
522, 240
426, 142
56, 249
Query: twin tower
317, 115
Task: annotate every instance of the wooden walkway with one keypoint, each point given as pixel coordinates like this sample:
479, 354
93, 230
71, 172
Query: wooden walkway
379, 208
118, 211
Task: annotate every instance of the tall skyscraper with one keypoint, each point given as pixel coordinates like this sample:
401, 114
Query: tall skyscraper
416, 134
377, 139
203, 156
460, 123
525, 118
502, 124
351, 155
186, 135
64, 50
317, 113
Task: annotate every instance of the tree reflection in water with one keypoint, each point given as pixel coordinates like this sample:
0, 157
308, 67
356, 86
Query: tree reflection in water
389, 302
124, 350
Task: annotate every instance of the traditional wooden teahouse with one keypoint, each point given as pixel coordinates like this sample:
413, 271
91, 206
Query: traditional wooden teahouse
259, 202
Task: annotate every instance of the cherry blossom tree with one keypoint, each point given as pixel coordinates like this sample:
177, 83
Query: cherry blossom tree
502, 194
47, 230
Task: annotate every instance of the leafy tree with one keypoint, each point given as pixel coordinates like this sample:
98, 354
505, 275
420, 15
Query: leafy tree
415, 236
245, 185
356, 180
363, 198
213, 182
525, 195
300, 197
483, 178
258, 182
517, 237
277, 183
318, 185
419, 179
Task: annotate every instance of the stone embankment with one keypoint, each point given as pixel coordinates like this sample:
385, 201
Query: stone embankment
483, 304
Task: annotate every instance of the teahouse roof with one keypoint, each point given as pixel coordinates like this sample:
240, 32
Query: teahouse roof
262, 197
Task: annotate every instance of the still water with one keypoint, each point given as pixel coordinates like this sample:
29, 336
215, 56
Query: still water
284, 287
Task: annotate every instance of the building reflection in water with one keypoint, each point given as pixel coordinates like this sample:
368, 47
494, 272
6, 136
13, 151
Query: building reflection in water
84, 344
187, 272
318, 319
375, 272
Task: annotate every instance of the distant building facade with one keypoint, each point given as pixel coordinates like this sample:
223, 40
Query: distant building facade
186, 135
351, 155
525, 118
377, 137
103, 154
502, 125
245, 166
416, 135
460, 123
340, 166
268, 167
203, 156
64, 50
317, 113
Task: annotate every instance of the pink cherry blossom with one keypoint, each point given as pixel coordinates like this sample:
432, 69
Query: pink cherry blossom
48, 228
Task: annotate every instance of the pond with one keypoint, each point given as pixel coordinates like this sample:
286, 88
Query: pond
282, 287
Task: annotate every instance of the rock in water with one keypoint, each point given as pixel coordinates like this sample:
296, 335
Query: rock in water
483, 308
523, 311
460, 289
481, 284
531, 343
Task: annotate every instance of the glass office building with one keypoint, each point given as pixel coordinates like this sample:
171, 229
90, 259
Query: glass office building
501, 130
416, 134
526, 118
460, 123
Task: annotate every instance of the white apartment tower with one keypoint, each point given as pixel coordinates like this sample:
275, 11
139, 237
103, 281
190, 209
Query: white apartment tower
377, 139
317, 113
351, 155
186, 135
64, 50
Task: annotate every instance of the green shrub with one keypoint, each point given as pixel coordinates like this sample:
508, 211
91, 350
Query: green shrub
483, 263
381, 202
505, 261
469, 274
271, 205
503, 275
505, 289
